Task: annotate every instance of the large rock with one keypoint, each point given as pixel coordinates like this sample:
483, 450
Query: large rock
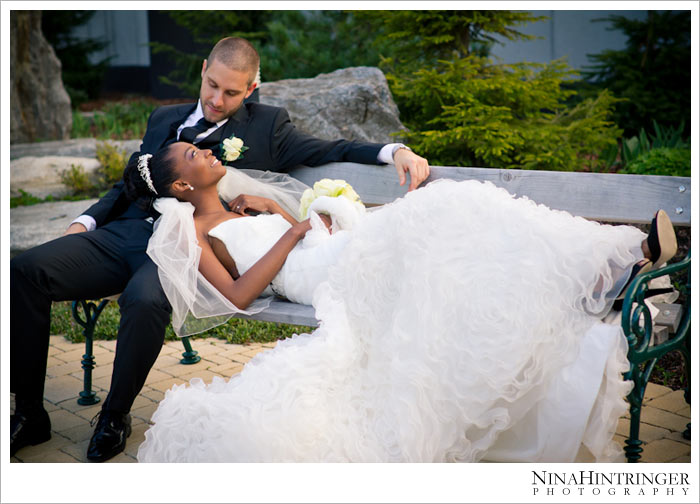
39, 104
36, 224
41, 176
351, 103
77, 147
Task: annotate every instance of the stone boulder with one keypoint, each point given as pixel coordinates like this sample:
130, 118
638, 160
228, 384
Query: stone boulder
39, 104
41, 176
352, 103
36, 224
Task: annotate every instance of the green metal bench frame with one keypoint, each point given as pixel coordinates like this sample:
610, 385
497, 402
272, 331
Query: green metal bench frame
637, 326
87, 319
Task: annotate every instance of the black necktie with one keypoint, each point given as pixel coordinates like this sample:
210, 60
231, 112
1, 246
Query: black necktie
189, 134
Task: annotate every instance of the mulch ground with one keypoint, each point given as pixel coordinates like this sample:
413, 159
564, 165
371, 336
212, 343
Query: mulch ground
669, 371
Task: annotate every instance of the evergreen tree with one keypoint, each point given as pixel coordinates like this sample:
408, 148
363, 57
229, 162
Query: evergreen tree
463, 109
652, 72
292, 44
81, 78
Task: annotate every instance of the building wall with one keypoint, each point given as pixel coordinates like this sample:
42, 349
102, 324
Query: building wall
127, 34
566, 34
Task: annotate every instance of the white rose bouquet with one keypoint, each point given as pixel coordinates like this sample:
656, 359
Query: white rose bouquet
330, 188
233, 148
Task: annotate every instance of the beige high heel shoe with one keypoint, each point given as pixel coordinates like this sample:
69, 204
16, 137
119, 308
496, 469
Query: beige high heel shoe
662, 239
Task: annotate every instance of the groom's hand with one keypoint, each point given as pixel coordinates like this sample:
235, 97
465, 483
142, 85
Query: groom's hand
407, 161
74, 228
245, 202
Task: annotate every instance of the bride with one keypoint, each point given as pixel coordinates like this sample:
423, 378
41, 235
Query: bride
457, 323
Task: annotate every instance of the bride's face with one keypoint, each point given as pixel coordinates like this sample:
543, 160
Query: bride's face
197, 167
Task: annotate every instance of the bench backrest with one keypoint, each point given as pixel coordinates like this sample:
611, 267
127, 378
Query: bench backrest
599, 196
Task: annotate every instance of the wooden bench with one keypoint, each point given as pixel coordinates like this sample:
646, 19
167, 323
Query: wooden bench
604, 197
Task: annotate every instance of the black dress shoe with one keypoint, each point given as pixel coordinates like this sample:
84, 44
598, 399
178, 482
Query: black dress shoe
29, 428
110, 436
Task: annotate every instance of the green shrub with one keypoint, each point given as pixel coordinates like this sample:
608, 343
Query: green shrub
82, 127
77, 180
112, 163
668, 136
471, 112
463, 109
630, 149
661, 161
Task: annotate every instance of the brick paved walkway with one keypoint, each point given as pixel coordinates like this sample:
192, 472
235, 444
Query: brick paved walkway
664, 416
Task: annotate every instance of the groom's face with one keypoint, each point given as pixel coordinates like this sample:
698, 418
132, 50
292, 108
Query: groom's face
223, 90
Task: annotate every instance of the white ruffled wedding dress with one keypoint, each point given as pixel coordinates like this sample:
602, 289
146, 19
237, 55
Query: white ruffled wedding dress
457, 324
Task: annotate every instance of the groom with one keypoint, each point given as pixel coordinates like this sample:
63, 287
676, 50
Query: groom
103, 251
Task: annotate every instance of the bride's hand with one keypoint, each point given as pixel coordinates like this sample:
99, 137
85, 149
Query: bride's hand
327, 221
244, 202
305, 225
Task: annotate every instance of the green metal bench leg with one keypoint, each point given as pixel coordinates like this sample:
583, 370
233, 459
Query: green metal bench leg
189, 356
633, 445
92, 312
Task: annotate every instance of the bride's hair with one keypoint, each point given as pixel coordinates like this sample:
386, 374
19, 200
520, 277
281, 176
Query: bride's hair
161, 170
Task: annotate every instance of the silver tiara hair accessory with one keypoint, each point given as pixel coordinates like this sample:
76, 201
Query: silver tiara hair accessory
145, 172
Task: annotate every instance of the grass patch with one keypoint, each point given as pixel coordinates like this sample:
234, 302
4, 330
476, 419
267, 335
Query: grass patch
116, 121
237, 331
26, 199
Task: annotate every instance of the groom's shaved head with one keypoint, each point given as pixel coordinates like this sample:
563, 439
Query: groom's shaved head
237, 54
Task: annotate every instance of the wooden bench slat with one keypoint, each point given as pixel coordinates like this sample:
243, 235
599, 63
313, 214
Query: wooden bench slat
600, 196
286, 313
670, 316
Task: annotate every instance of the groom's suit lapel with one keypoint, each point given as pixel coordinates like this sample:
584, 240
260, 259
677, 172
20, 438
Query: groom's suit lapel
237, 126
165, 131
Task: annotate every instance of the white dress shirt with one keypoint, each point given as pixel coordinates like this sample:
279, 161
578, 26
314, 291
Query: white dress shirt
194, 117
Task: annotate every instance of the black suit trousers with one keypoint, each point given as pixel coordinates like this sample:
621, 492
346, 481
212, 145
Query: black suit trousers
90, 265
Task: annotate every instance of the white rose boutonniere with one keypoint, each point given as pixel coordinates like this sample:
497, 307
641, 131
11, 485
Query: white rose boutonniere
232, 148
327, 187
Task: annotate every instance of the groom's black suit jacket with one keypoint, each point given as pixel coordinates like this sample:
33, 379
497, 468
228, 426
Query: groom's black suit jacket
273, 144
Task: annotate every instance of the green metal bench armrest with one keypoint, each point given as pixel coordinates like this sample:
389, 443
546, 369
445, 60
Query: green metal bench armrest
638, 334
641, 355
